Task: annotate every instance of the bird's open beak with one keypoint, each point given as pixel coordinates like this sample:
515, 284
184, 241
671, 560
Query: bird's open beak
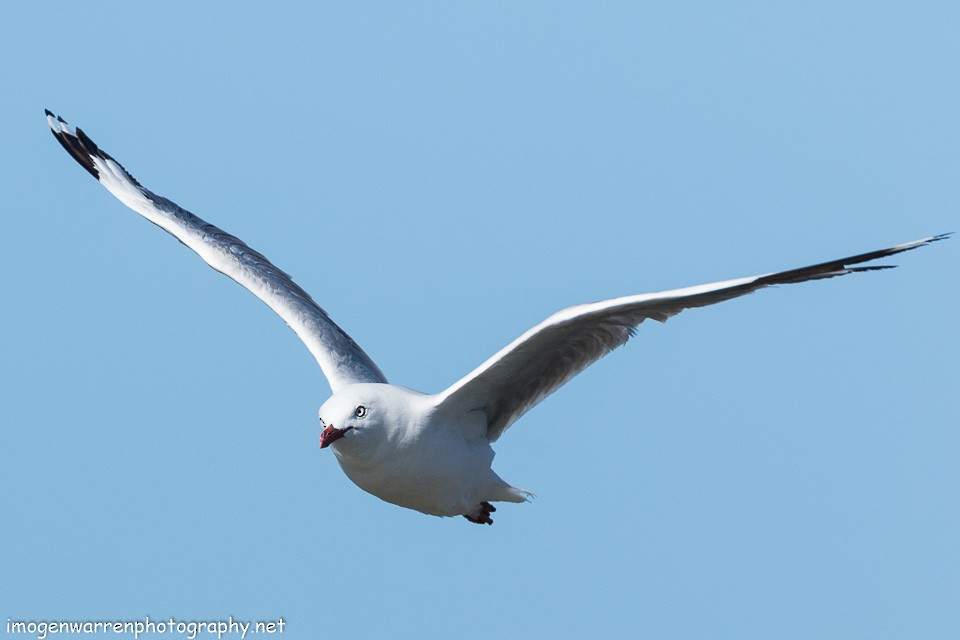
331, 434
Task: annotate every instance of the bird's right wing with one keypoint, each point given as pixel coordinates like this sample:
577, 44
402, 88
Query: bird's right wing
544, 358
343, 362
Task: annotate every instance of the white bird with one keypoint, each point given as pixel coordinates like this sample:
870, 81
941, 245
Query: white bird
430, 452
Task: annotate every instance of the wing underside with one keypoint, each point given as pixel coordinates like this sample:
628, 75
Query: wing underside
544, 358
341, 359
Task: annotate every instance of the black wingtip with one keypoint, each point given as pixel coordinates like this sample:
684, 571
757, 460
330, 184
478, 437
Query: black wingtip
876, 267
75, 147
83, 149
50, 114
87, 143
845, 265
917, 245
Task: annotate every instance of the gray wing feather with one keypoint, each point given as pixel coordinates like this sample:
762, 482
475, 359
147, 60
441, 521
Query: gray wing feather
547, 356
343, 362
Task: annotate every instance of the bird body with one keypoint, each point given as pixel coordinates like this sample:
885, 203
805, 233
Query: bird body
406, 450
431, 452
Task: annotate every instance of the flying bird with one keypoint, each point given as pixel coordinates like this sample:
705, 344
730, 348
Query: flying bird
431, 452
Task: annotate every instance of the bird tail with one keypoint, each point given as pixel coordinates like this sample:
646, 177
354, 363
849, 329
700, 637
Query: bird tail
509, 493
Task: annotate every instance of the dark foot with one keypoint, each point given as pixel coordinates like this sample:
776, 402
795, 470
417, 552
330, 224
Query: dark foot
481, 515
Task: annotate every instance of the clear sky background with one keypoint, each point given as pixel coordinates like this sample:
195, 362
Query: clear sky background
441, 177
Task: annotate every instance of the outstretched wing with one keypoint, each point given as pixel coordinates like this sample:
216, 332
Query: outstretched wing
343, 362
544, 358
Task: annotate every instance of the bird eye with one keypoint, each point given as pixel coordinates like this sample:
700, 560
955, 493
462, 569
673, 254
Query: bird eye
360, 411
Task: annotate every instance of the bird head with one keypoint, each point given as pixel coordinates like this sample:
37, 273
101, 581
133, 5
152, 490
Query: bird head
354, 417
371, 419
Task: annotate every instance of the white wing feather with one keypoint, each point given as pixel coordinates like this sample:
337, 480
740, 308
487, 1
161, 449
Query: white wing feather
343, 362
544, 358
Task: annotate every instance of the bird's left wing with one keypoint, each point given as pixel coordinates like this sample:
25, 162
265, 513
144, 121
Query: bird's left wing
343, 362
544, 358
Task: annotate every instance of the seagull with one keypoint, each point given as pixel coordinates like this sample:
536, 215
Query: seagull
431, 452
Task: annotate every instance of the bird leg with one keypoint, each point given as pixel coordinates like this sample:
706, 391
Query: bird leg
481, 515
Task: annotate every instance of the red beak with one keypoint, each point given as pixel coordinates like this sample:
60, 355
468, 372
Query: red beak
331, 434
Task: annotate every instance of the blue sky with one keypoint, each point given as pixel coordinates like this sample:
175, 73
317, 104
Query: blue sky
441, 177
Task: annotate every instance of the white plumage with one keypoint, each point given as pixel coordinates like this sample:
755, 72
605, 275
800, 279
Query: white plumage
429, 452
